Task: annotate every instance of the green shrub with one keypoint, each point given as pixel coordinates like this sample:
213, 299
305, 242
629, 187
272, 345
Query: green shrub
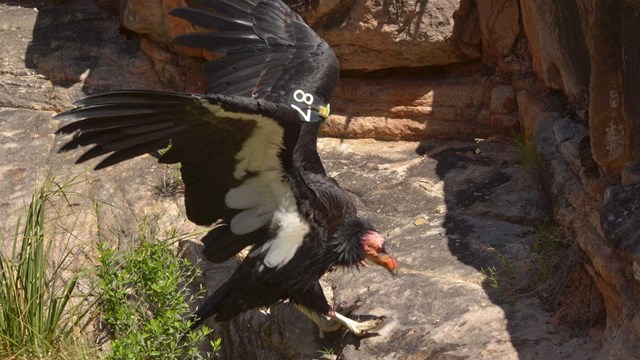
145, 300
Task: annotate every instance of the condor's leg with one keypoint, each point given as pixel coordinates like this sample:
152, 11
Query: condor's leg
331, 320
334, 320
325, 323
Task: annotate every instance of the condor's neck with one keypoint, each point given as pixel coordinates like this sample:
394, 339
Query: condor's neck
306, 151
345, 247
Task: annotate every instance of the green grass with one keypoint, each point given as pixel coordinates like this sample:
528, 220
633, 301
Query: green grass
145, 300
327, 354
171, 184
543, 273
42, 315
555, 256
502, 278
527, 152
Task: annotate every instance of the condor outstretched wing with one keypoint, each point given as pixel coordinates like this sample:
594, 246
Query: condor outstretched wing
269, 50
235, 152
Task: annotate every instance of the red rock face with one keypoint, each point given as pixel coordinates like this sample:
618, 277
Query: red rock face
614, 112
365, 34
499, 26
392, 110
556, 39
586, 49
372, 35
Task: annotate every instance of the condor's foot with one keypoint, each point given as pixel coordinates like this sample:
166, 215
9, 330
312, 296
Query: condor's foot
356, 327
335, 320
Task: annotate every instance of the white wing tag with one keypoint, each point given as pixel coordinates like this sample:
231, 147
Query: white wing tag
309, 107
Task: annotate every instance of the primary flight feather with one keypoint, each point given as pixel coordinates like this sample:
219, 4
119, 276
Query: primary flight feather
247, 150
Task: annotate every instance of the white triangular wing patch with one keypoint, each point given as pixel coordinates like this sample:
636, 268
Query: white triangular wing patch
259, 155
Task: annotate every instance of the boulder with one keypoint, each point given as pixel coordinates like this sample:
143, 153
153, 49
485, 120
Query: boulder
372, 35
365, 34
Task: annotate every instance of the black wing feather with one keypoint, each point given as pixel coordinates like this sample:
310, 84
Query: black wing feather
276, 30
121, 123
220, 244
110, 122
131, 152
107, 135
229, 65
231, 8
288, 56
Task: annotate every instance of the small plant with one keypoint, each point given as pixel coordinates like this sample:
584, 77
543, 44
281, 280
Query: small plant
171, 183
501, 278
543, 273
145, 300
492, 276
38, 317
527, 152
327, 354
554, 258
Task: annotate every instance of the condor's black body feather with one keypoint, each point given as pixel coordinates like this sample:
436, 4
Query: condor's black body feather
247, 159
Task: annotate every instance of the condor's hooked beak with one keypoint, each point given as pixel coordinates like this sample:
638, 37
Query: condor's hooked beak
379, 253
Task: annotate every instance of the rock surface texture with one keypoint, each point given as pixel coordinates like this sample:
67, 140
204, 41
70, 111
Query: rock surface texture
587, 50
461, 202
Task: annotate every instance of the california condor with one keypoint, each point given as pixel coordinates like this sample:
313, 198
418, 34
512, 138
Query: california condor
247, 150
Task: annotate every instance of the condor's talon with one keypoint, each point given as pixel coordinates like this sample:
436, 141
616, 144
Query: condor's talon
335, 320
358, 328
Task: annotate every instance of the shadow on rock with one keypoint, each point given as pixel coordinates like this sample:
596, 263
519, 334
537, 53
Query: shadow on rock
79, 44
496, 222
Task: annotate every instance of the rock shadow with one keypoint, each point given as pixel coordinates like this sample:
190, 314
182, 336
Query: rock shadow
495, 210
77, 44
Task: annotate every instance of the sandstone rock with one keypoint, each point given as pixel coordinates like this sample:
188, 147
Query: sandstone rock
366, 34
614, 112
588, 47
620, 218
609, 240
370, 35
505, 123
631, 173
418, 325
74, 47
500, 27
572, 139
555, 31
407, 110
503, 100
180, 73
148, 17
532, 112
503, 109
26, 137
